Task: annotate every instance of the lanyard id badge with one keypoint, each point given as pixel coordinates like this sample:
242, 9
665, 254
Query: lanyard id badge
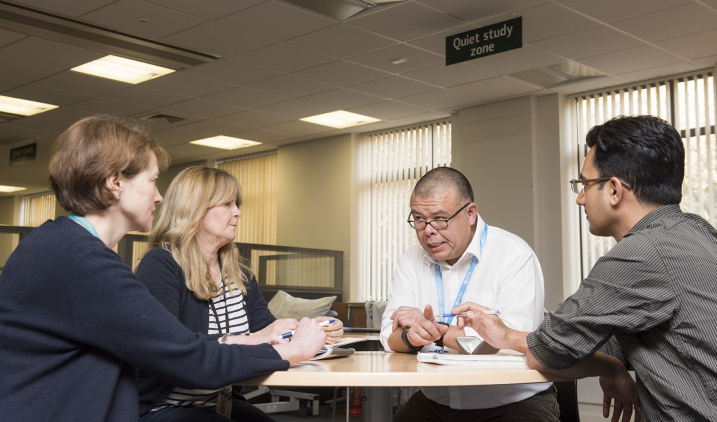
461, 292
84, 222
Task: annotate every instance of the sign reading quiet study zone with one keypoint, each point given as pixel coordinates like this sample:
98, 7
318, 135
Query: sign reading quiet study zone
486, 41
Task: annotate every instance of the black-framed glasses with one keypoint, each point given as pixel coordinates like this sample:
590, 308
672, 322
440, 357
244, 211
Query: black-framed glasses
436, 224
575, 183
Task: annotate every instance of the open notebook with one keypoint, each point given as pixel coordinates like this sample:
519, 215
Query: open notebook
337, 350
488, 361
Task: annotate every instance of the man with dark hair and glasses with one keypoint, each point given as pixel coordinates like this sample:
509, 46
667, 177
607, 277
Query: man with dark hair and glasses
650, 303
461, 259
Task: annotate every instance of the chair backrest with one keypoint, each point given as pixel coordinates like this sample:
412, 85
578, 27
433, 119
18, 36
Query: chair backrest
568, 401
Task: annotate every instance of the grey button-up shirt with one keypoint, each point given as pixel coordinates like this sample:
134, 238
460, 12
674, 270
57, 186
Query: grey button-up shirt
655, 295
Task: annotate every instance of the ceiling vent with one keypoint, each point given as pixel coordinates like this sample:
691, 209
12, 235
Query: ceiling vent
558, 74
163, 118
340, 9
85, 35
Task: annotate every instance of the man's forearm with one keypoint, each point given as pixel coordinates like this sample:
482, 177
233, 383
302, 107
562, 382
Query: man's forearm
598, 364
395, 342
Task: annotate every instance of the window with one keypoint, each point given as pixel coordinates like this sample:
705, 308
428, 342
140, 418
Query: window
390, 164
688, 103
257, 175
36, 209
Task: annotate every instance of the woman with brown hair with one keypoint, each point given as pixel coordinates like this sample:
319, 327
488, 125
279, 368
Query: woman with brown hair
193, 268
76, 321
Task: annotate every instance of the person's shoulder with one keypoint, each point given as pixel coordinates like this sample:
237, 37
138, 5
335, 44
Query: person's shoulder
507, 241
158, 256
62, 231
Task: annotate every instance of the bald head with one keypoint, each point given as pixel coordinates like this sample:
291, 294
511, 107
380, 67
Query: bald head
441, 179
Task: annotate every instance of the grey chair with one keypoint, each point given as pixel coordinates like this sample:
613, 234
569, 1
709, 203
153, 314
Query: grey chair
568, 400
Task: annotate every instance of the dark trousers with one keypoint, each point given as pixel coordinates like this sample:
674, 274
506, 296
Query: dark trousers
542, 407
241, 411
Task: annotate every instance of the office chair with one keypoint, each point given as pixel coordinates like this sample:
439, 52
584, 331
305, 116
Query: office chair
568, 400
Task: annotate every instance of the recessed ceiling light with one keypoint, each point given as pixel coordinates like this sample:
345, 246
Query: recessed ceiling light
10, 189
225, 142
121, 69
398, 60
340, 119
23, 107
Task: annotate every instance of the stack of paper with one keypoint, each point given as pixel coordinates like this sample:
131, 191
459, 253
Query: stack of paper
487, 361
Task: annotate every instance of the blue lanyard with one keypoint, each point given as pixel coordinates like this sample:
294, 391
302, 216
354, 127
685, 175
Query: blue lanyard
461, 292
82, 221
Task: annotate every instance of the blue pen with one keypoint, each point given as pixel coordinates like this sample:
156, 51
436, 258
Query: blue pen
322, 323
466, 314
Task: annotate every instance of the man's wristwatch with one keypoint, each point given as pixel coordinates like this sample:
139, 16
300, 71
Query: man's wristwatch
439, 342
411, 348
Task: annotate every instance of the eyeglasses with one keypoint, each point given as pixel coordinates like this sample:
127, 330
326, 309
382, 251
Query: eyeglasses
436, 224
575, 183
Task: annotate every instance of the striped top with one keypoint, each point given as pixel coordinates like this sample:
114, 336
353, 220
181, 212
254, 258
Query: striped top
653, 296
230, 310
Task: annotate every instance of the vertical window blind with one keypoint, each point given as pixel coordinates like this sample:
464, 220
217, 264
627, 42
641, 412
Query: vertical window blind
390, 164
36, 209
257, 175
688, 103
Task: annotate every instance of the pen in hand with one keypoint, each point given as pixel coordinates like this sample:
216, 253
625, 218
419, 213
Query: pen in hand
466, 314
322, 323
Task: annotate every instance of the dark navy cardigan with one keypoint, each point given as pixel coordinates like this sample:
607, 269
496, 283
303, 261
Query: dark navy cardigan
75, 322
164, 278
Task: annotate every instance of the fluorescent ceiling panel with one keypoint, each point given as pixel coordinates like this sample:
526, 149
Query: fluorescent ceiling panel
23, 107
124, 70
6, 189
225, 142
340, 119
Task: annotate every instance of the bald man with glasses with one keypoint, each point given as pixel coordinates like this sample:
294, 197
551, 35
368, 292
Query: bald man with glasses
650, 302
460, 258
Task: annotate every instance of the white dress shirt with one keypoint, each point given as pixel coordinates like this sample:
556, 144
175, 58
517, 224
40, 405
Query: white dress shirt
507, 278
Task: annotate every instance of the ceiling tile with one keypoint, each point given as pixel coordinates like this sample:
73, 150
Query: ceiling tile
50, 53
253, 119
35, 122
82, 83
263, 136
589, 85
207, 9
201, 108
445, 76
244, 98
341, 99
630, 60
125, 16
6, 84
106, 106
47, 95
232, 72
341, 41
612, 10
212, 127
516, 60
341, 73
551, 20
415, 58
278, 21
471, 10
67, 7
425, 117
174, 136
12, 134
670, 23
387, 110
295, 109
20, 70
659, 71
8, 37
299, 128
706, 61
185, 84
406, 21
283, 58
393, 87
67, 116
213, 38
692, 46
139, 94
490, 89
587, 42
191, 150
439, 99
290, 86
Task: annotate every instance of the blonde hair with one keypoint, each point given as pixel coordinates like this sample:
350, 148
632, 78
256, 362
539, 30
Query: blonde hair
190, 195
91, 150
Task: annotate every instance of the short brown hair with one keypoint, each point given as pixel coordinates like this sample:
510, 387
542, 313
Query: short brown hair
93, 149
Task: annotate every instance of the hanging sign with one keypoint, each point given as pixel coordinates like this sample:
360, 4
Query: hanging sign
23, 154
485, 41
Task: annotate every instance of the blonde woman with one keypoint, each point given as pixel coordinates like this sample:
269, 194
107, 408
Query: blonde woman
75, 320
193, 269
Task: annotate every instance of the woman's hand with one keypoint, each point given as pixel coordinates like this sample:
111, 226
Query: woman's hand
334, 330
270, 338
280, 325
308, 338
